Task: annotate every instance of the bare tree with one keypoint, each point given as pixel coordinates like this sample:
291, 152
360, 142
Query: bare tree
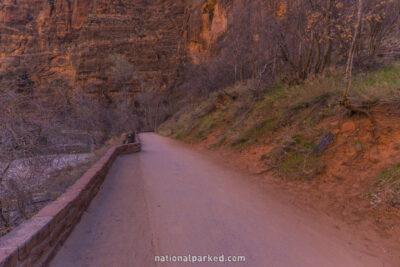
121, 72
3, 219
350, 60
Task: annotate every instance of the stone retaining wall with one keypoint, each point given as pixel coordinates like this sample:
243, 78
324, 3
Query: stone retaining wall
36, 241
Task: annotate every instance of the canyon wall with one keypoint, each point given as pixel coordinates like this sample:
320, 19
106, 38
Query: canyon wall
71, 43
207, 20
74, 43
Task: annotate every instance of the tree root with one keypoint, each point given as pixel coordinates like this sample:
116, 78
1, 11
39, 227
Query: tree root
356, 110
363, 111
264, 171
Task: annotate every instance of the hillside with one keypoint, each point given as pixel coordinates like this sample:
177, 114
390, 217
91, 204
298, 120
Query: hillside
340, 164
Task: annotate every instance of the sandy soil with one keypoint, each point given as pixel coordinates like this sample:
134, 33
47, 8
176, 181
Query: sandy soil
171, 200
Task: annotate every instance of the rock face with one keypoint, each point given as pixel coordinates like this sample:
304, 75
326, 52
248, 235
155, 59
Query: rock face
72, 41
48, 44
323, 143
207, 20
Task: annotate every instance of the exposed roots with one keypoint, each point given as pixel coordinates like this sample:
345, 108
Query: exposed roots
356, 110
363, 109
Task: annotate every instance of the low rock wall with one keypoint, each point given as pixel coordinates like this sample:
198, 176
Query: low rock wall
36, 241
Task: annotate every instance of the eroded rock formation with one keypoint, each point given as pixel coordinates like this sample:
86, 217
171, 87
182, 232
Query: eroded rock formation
207, 21
73, 40
70, 43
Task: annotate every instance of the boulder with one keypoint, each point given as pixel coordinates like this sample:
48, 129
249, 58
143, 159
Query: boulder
130, 138
348, 127
323, 143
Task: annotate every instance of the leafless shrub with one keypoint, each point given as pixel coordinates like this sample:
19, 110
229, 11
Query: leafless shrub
21, 195
19, 179
151, 108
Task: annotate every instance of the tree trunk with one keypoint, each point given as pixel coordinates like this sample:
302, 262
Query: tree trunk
349, 65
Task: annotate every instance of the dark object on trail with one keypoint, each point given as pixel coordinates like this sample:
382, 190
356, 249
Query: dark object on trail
130, 138
325, 140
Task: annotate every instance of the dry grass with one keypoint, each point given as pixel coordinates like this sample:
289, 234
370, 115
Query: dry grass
278, 114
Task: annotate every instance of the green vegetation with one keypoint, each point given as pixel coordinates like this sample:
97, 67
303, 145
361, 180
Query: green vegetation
295, 159
387, 185
358, 145
389, 176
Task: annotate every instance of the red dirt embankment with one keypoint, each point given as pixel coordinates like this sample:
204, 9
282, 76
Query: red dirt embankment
346, 190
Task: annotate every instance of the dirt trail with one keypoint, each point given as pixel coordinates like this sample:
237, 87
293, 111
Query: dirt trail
170, 200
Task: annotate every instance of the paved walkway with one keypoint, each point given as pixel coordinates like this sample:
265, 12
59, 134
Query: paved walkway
170, 200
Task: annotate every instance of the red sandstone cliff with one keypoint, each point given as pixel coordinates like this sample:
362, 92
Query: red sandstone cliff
72, 40
69, 42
